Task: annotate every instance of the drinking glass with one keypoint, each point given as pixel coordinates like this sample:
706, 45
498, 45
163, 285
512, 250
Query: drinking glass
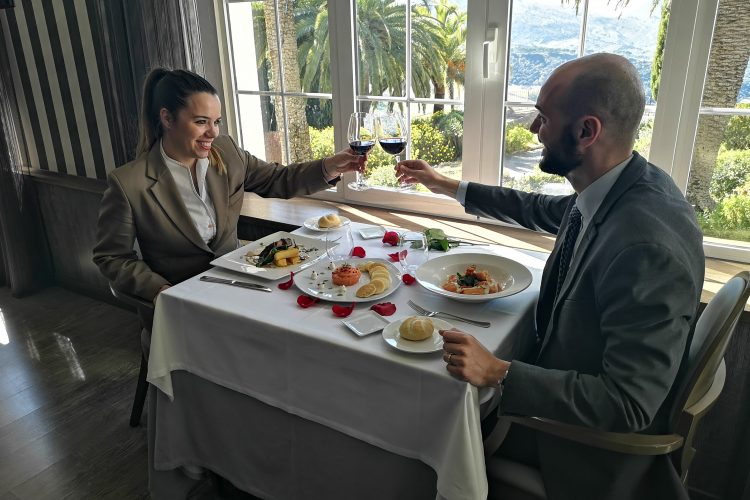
413, 250
362, 138
393, 136
339, 244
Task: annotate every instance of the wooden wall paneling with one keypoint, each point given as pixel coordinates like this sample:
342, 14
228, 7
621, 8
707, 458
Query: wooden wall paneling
24, 249
70, 207
721, 468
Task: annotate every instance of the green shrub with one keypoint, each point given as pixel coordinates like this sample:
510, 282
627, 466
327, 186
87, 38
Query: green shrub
383, 175
732, 213
643, 139
518, 138
429, 144
732, 171
737, 133
451, 125
321, 142
532, 182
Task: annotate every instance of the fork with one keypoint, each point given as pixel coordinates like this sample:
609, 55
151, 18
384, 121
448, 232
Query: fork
424, 312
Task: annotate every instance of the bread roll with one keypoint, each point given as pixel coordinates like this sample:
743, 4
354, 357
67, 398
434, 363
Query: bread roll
329, 220
416, 328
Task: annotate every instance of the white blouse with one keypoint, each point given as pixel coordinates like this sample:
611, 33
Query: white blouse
198, 202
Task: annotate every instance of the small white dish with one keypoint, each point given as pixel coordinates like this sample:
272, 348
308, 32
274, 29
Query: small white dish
370, 233
366, 323
432, 344
312, 224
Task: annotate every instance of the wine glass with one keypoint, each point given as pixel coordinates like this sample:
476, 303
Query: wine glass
392, 135
362, 138
339, 244
413, 250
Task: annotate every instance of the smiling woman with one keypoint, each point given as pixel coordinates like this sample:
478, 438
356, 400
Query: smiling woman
182, 195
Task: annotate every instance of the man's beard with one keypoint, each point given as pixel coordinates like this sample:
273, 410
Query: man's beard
564, 158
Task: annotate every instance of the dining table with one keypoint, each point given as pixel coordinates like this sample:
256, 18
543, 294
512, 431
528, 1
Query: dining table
286, 402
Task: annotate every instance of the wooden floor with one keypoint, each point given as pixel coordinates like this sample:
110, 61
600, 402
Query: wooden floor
68, 367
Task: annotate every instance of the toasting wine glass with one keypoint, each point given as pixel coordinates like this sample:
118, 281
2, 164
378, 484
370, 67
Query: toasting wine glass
392, 135
362, 138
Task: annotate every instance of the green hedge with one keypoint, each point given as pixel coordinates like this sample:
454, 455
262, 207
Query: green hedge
737, 133
532, 182
732, 171
517, 138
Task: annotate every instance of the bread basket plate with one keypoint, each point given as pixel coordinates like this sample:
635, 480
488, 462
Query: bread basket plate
431, 344
312, 249
433, 273
322, 287
312, 224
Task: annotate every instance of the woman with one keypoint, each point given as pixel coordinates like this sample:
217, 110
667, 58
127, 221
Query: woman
181, 197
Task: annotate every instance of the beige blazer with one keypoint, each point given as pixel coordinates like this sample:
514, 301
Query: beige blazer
142, 202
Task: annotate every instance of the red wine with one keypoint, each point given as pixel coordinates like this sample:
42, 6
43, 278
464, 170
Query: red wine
361, 147
394, 146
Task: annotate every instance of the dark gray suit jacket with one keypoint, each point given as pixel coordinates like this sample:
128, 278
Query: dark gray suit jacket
142, 201
616, 335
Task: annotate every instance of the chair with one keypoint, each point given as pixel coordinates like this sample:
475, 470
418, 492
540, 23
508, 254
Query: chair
144, 309
698, 389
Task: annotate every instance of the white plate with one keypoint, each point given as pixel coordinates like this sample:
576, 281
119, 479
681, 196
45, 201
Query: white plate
431, 344
369, 233
312, 223
313, 248
308, 285
433, 273
367, 323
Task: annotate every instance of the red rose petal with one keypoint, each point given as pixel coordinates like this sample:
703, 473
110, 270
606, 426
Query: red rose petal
384, 308
305, 301
408, 279
393, 256
287, 284
391, 238
342, 311
358, 252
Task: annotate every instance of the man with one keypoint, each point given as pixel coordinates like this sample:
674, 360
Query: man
618, 295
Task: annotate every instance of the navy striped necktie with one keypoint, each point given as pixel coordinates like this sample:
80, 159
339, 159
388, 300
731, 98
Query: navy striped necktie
566, 252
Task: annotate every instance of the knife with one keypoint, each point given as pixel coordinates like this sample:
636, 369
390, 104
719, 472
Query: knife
241, 284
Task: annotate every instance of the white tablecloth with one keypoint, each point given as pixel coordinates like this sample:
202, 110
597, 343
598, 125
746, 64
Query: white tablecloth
306, 362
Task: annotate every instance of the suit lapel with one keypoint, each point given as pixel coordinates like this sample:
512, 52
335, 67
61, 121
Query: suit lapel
164, 190
219, 192
630, 174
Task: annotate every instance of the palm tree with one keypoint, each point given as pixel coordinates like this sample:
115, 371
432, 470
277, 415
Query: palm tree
444, 60
296, 120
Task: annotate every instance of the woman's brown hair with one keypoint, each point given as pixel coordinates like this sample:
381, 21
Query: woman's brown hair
171, 90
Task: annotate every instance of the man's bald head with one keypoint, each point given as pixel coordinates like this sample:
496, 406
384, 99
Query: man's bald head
607, 86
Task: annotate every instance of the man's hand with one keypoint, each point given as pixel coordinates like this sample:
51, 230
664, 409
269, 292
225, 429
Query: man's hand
470, 361
419, 171
343, 161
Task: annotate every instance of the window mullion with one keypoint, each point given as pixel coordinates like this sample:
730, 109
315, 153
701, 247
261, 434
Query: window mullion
674, 77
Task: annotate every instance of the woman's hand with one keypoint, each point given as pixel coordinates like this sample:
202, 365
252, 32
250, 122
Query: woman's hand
344, 161
469, 360
419, 171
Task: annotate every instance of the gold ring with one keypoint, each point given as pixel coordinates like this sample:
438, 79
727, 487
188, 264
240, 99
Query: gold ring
450, 355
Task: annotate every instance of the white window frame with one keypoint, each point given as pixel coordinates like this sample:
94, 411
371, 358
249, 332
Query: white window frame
675, 122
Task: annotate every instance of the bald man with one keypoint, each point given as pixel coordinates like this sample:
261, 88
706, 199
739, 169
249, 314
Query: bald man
619, 292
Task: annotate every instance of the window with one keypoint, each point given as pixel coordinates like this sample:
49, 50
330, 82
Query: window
719, 179
284, 100
545, 34
465, 74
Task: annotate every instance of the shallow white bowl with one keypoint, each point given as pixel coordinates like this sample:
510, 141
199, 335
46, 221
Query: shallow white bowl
433, 273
